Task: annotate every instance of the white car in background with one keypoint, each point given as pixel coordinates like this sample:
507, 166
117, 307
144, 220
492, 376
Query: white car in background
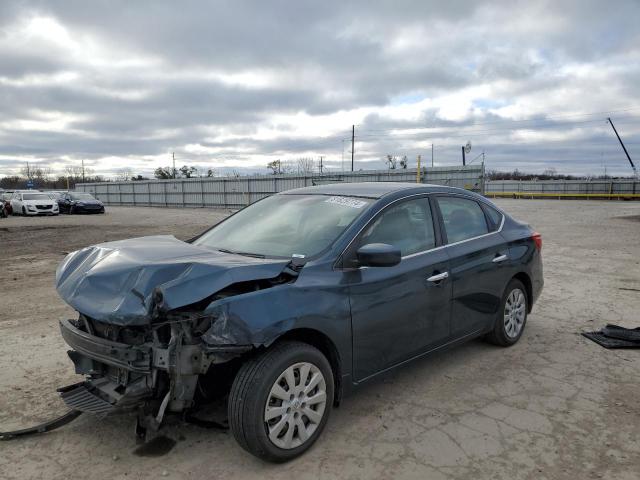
33, 203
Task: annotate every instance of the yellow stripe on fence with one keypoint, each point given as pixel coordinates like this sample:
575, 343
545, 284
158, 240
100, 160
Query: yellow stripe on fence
605, 196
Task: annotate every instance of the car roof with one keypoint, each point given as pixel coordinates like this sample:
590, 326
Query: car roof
373, 189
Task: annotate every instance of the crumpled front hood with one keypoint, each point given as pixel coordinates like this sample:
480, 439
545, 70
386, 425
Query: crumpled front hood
114, 282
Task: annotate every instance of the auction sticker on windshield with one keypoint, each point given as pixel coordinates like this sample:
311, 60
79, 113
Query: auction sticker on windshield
346, 201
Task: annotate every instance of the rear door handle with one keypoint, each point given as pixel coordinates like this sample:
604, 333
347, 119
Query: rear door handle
500, 258
438, 277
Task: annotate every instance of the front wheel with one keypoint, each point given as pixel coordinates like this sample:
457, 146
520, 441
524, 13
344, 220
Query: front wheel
280, 401
512, 315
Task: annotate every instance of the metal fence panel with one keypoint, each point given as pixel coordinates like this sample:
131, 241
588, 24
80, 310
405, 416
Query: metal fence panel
564, 187
236, 192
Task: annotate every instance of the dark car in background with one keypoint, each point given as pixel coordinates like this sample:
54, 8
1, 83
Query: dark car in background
5, 199
79, 202
291, 303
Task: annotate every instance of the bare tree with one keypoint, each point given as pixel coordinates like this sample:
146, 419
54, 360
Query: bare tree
306, 165
287, 167
391, 162
27, 171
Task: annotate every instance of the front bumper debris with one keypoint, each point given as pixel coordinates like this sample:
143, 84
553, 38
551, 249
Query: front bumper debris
129, 357
80, 397
43, 427
157, 371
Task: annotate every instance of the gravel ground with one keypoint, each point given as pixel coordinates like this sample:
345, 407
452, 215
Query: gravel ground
553, 406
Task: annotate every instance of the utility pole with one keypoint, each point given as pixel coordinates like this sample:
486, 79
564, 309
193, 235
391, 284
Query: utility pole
418, 171
83, 170
432, 155
635, 171
173, 155
353, 144
464, 160
320, 164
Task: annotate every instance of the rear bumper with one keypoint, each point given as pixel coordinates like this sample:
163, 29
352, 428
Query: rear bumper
537, 277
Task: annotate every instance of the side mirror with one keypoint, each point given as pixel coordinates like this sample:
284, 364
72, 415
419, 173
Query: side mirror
378, 255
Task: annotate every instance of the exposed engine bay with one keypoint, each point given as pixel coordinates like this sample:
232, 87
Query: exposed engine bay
158, 365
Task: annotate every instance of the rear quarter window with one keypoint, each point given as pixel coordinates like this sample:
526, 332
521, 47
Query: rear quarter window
495, 216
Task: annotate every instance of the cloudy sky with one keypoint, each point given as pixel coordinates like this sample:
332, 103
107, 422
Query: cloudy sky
234, 84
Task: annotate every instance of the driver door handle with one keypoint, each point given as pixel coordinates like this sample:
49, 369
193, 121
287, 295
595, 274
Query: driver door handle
500, 258
438, 277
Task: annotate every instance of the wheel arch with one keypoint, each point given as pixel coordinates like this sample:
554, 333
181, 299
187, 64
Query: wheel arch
526, 281
328, 348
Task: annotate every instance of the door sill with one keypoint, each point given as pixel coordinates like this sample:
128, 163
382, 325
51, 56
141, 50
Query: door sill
443, 346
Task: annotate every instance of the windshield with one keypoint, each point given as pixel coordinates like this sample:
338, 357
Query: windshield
54, 195
35, 196
286, 225
82, 196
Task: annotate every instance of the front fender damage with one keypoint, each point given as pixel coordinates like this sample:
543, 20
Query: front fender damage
156, 367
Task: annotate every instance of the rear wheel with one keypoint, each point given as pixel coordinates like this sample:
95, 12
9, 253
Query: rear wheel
24, 211
512, 315
280, 401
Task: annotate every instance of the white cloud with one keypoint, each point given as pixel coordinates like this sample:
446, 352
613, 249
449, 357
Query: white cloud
123, 85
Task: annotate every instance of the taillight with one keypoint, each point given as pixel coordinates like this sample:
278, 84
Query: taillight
537, 239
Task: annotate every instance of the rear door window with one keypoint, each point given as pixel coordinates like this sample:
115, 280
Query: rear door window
463, 218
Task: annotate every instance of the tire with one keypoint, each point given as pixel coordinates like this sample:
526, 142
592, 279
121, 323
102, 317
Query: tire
511, 318
72, 210
263, 379
24, 212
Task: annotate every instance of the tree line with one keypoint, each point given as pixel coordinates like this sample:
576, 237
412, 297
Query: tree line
43, 178
548, 174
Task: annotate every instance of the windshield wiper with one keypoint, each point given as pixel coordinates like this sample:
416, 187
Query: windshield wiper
244, 254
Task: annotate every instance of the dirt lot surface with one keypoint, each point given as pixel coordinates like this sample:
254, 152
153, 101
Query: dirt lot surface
553, 406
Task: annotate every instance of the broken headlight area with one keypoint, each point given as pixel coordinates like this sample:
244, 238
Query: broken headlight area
152, 369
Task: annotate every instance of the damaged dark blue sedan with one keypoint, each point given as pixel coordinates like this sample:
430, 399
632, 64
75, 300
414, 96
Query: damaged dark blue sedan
292, 302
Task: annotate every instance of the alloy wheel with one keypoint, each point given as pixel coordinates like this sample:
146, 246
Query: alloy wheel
515, 310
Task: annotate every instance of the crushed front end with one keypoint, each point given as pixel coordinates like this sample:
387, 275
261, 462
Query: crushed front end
153, 369
154, 320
